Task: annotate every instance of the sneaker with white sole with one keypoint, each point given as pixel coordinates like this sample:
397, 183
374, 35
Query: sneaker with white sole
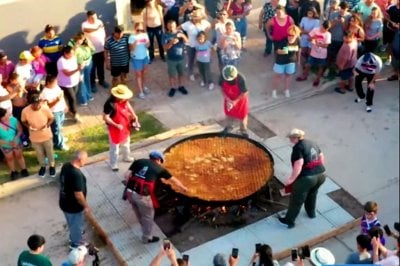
274, 95
142, 96
42, 172
192, 78
128, 159
357, 100
388, 62
211, 86
287, 93
146, 90
202, 84
368, 109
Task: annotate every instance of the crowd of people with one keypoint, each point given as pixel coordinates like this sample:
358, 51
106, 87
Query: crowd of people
53, 77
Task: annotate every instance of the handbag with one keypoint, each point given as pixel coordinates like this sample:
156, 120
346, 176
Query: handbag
23, 138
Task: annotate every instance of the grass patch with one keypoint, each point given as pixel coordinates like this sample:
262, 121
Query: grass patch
93, 139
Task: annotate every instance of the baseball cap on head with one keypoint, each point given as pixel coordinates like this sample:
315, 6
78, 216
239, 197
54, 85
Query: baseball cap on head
26, 55
157, 156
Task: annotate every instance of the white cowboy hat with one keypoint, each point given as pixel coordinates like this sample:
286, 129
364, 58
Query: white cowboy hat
321, 256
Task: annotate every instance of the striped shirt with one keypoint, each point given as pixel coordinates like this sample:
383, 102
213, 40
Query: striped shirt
119, 50
51, 47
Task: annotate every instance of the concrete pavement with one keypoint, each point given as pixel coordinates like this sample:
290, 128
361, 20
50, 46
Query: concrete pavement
362, 149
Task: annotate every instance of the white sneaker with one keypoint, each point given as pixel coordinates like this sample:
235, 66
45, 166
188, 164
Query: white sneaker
202, 84
368, 109
388, 61
192, 77
211, 86
287, 93
274, 95
146, 90
128, 159
142, 96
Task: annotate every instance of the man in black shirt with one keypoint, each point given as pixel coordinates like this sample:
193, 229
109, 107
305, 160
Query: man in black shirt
306, 178
141, 178
73, 197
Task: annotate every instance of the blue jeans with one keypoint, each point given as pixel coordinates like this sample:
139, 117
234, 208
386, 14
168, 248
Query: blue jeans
56, 127
241, 27
75, 226
85, 87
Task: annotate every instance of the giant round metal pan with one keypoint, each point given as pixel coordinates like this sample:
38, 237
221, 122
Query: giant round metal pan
218, 168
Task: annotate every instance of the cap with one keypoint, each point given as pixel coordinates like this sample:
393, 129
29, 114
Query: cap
321, 256
296, 133
157, 155
26, 55
219, 260
229, 72
77, 255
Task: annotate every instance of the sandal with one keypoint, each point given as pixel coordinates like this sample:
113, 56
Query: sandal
301, 78
393, 77
315, 83
338, 90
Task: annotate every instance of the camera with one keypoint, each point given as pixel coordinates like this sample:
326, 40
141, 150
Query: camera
301, 252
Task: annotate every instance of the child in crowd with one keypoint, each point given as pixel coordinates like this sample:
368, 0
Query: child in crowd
320, 39
230, 44
285, 59
333, 7
174, 42
345, 61
307, 24
203, 58
138, 45
25, 70
39, 65
53, 95
370, 218
220, 29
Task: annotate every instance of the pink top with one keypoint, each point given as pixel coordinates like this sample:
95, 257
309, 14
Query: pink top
237, 9
319, 37
279, 32
6, 70
38, 64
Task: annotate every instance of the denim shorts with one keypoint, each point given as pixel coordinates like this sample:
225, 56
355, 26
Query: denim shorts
316, 61
285, 68
346, 74
139, 64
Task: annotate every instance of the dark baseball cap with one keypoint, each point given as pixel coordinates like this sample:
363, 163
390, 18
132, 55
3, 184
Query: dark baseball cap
157, 156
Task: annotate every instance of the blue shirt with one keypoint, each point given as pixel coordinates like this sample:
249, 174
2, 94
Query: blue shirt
140, 51
175, 53
203, 52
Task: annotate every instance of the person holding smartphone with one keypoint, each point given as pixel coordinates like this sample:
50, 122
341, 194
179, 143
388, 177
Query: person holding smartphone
171, 255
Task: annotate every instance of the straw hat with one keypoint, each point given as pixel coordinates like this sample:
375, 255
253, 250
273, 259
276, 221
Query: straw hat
121, 92
26, 55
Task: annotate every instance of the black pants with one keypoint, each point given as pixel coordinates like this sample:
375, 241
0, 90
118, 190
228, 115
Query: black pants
97, 67
359, 88
158, 33
70, 97
51, 68
371, 45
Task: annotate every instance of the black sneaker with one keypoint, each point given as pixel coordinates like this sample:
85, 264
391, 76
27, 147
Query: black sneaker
171, 92
14, 175
183, 90
52, 171
153, 239
283, 221
24, 172
42, 172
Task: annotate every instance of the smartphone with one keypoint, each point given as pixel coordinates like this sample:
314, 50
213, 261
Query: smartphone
294, 254
387, 230
235, 253
306, 251
258, 246
166, 244
185, 258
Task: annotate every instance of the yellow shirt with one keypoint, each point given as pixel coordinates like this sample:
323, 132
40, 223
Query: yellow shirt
37, 120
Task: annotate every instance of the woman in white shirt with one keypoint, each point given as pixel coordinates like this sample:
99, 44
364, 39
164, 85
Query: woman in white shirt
53, 95
192, 28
